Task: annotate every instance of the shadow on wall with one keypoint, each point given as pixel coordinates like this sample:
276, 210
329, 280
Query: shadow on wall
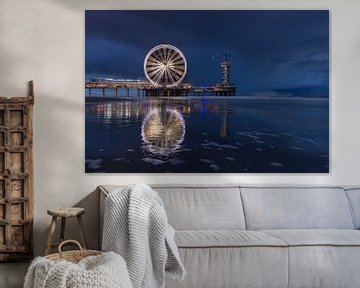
72, 231
91, 218
15, 46
7, 60
55, 154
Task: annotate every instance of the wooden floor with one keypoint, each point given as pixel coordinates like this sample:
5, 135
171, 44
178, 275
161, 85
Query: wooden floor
12, 274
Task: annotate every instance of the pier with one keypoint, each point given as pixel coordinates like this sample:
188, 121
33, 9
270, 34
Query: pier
120, 89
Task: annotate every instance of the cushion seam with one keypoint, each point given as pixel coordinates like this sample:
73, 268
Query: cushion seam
349, 189
278, 237
243, 209
232, 246
271, 246
322, 245
351, 211
310, 245
288, 267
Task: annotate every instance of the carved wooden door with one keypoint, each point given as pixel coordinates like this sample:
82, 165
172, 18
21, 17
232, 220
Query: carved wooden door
16, 177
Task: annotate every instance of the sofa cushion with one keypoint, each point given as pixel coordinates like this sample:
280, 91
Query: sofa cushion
203, 208
225, 267
296, 208
191, 207
315, 237
322, 258
324, 266
226, 238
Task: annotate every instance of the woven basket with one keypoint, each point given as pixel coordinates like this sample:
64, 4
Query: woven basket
72, 256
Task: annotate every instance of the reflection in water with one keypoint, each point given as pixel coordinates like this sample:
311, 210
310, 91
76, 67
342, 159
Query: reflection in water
117, 110
235, 134
224, 128
163, 131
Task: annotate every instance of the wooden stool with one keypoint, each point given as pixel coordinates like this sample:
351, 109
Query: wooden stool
64, 213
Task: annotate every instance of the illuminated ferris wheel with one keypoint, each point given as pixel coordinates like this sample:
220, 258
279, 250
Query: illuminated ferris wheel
165, 66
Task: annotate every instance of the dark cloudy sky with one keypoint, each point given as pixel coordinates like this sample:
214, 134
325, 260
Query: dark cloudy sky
272, 52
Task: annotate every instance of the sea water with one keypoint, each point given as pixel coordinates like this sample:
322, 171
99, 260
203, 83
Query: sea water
207, 134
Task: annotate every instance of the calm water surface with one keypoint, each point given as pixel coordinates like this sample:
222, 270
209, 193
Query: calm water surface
214, 134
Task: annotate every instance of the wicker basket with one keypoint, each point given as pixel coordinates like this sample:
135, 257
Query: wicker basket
72, 256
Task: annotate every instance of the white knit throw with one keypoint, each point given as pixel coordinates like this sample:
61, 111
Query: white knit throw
103, 271
136, 227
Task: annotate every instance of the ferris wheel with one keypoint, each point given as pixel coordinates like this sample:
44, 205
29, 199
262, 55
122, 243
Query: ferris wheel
165, 66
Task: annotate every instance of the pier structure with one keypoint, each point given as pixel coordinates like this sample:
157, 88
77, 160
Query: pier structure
118, 88
121, 89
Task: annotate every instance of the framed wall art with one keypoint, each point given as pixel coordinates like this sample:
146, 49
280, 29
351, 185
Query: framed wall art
243, 91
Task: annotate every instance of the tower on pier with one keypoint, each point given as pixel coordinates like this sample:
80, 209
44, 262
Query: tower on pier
225, 88
225, 69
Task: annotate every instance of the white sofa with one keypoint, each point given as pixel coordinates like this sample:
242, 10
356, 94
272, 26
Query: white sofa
263, 237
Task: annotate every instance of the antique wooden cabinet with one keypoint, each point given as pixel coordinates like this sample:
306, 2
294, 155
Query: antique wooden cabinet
16, 177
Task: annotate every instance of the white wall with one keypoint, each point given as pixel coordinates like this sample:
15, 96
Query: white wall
43, 40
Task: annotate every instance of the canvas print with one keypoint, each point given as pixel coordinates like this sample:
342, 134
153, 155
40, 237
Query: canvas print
243, 91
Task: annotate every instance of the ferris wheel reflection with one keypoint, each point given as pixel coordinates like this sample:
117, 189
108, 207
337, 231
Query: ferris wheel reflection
163, 131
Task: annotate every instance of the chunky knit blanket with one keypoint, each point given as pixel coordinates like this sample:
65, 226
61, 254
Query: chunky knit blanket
103, 271
136, 227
